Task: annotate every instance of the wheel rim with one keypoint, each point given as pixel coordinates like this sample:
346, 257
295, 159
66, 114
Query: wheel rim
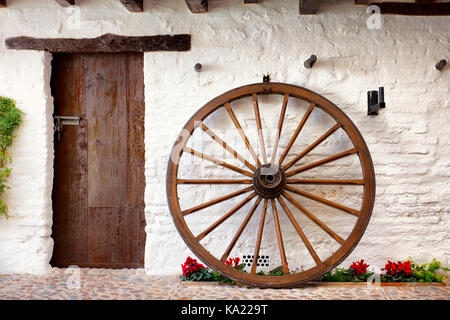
272, 184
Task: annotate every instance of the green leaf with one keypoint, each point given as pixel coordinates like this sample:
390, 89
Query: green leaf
10, 119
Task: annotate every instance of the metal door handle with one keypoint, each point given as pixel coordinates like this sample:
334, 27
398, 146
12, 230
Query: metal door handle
61, 121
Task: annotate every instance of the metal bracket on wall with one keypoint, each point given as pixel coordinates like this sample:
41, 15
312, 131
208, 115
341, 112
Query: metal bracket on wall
61, 121
375, 101
308, 64
441, 65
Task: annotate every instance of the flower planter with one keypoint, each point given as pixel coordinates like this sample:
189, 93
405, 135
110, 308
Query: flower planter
211, 283
400, 274
329, 284
380, 284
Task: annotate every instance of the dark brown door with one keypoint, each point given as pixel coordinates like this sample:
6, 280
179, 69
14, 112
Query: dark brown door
98, 191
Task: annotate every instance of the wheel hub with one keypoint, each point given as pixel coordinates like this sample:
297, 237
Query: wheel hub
269, 180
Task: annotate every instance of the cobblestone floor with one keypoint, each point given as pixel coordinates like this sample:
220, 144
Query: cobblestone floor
130, 284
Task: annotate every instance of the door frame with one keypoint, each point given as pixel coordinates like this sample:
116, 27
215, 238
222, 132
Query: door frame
108, 43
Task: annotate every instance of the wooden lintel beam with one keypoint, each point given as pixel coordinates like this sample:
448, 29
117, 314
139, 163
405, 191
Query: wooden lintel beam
133, 5
66, 3
309, 6
414, 9
107, 43
197, 6
2, 3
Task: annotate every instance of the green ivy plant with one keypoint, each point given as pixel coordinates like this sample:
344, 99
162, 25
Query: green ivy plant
10, 119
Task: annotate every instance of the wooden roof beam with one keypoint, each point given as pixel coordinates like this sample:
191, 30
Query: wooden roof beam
417, 8
104, 44
133, 5
66, 3
309, 6
197, 6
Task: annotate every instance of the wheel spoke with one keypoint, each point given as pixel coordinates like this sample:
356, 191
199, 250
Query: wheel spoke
279, 237
259, 238
259, 126
312, 146
280, 127
218, 200
321, 162
323, 200
214, 181
323, 181
240, 230
241, 133
227, 147
225, 217
299, 231
219, 162
322, 225
296, 133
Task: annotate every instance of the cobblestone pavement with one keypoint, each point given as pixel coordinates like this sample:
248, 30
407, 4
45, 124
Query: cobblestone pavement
131, 284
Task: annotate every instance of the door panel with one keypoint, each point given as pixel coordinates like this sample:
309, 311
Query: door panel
98, 192
135, 131
106, 97
70, 167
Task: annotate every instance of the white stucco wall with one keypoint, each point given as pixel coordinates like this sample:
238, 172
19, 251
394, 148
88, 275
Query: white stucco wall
237, 44
26, 245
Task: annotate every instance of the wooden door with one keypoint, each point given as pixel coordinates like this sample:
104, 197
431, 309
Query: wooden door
98, 191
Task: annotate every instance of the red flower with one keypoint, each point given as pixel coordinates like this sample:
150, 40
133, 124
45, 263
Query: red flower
359, 267
398, 268
191, 266
232, 261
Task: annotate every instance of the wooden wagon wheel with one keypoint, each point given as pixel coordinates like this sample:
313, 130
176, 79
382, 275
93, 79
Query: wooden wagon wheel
271, 180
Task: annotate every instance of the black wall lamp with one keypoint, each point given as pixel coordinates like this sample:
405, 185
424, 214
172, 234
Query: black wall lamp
375, 101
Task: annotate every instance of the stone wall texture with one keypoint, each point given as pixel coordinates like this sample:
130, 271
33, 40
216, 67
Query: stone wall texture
237, 45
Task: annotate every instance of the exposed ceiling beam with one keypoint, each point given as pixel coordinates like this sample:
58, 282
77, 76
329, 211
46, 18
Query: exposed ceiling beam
66, 3
197, 6
414, 9
309, 6
2, 3
107, 43
133, 5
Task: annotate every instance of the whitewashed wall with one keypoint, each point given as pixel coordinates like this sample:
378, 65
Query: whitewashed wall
237, 44
25, 238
